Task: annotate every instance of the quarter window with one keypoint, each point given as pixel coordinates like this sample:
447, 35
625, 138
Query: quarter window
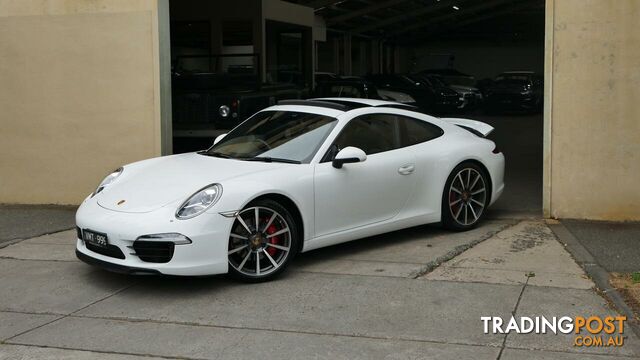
417, 131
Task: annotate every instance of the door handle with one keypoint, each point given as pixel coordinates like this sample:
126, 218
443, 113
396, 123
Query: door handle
406, 169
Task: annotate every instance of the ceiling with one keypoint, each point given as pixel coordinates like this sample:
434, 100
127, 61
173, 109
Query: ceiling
415, 21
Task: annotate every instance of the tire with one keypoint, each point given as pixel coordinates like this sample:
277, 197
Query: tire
263, 254
465, 197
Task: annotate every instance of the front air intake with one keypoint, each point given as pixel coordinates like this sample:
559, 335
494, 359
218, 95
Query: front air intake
154, 251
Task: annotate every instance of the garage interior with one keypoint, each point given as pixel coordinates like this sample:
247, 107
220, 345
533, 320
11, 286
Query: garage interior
225, 54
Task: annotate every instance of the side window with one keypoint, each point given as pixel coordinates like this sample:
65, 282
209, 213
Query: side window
371, 133
417, 131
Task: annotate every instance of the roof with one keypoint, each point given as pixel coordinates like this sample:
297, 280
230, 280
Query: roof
345, 104
366, 102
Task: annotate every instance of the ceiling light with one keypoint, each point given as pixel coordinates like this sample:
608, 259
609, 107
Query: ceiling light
455, 7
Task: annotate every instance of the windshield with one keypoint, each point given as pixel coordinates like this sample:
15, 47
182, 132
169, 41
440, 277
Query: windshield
436, 81
416, 81
285, 136
513, 79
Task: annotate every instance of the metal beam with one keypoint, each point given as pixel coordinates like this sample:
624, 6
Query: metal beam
403, 17
364, 11
317, 4
456, 14
475, 19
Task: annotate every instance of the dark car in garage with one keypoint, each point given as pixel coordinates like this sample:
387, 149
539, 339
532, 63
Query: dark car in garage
463, 84
515, 90
428, 96
354, 87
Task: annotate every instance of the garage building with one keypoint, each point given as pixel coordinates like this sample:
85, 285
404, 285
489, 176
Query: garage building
87, 84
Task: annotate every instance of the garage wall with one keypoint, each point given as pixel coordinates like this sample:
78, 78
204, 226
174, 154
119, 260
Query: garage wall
79, 94
592, 144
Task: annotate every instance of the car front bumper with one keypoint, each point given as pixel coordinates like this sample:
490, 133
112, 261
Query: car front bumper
205, 255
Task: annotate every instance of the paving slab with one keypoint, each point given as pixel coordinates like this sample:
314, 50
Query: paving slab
519, 354
31, 251
549, 302
382, 307
615, 245
19, 352
59, 238
58, 287
528, 250
12, 324
360, 267
27, 221
402, 253
175, 340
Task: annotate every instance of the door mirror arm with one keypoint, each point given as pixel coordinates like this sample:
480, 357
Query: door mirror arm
348, 155
337, 163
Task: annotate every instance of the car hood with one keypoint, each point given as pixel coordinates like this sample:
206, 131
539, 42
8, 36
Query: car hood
151, 184
462, 88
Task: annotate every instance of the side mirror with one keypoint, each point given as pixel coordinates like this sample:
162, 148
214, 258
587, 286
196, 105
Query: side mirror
348, 155
218, 138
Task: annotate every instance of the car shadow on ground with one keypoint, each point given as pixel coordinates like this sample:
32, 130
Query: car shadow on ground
166, 285
405, 250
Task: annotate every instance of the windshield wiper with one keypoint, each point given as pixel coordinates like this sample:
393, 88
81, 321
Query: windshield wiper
272, 159
215, 154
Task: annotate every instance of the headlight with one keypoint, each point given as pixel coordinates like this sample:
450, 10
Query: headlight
199, 202
224, 111
107, 181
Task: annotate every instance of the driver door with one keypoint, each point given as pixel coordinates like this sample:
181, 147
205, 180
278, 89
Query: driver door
360, 194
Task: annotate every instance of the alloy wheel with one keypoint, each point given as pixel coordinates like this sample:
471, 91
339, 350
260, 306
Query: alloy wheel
260, 241
467, 196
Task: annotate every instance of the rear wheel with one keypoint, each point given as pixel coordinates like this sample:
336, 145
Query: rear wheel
465, 197
262, 242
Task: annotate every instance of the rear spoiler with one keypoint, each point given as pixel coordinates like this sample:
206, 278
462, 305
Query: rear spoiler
477, 127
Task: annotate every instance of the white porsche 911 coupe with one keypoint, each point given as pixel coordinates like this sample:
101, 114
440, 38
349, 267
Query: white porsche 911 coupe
294, 177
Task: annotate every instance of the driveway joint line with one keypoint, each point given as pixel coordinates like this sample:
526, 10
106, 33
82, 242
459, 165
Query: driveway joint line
6, 242
596, 272
102, 351
64, 316
513, 313
288, 331
432, 265
51, 260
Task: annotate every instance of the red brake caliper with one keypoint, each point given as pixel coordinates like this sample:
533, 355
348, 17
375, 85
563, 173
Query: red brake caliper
274, 240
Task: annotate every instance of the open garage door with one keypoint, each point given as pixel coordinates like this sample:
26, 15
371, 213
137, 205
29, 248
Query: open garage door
487, 56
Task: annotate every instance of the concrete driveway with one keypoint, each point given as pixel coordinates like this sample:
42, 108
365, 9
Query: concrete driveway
411, 294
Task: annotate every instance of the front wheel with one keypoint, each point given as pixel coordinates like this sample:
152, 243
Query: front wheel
465, 197
262, 242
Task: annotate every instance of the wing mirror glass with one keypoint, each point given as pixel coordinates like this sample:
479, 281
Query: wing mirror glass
348, 155
218, 138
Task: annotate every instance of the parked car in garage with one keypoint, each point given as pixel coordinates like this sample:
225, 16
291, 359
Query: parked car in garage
215, 93
516, 90
351, 86
431, 98
320, 76
294, 177
471, 96
358, 87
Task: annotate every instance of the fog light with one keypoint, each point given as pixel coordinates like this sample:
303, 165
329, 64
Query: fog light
224, 111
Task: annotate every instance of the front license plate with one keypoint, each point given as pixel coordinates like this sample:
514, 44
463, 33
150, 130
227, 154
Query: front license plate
95, 238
